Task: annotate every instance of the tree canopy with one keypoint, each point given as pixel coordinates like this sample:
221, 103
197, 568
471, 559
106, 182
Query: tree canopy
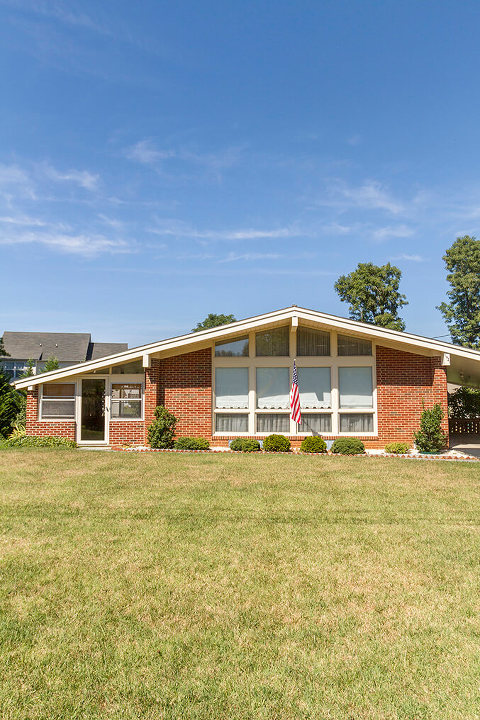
51, 364
212, 320
373, 295
10, 403
462, 313
3, 352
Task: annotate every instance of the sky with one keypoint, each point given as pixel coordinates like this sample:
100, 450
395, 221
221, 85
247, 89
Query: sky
163, 160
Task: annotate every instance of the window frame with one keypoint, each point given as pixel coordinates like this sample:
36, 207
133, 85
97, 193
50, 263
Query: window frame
58, 419
332, 361
111, 399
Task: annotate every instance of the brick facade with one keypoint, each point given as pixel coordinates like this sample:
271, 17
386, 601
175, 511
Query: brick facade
183, 384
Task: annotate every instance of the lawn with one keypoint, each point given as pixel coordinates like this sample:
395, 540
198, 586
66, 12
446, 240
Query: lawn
225, 586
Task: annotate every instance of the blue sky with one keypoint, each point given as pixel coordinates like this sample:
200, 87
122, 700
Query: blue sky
160, 160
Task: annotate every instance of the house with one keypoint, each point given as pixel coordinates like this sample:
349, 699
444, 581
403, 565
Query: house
67, 348
355, 379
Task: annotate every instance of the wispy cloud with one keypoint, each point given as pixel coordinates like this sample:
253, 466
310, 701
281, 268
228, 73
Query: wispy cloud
146, 153
371, 195
248, 257
177, 228
409, 258
82, 178
78, 244
392, 231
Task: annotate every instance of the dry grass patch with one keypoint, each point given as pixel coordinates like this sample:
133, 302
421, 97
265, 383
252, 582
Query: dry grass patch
214, 586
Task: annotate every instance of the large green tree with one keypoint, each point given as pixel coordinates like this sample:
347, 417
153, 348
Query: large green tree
10, 404
212, 320
462, 312
51, 364
373, 295
3, 352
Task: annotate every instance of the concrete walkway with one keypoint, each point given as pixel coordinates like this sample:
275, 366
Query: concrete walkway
468, 444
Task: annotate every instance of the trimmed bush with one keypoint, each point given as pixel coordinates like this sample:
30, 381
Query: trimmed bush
162, 431
313, 445
397, 448
244, 445
276, 443
430, 438
191, 443
22, 440
348, 446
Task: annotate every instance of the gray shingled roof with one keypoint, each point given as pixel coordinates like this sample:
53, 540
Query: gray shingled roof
66, 347
98, 350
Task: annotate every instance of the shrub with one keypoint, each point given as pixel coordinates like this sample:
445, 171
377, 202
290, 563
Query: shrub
22, 440
161, 432
276, 443
430, 437
244, 445
348, 446
313, 445
397, 448
191, 443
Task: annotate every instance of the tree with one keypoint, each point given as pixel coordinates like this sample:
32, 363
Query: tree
464, 403
10, 402
462, 313
372, 291
3, 352
212, 320
51, 364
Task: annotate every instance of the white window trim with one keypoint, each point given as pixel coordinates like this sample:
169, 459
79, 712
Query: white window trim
71, 419
333, 361
126, 380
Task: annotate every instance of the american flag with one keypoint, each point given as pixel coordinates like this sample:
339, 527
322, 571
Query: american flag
295, 413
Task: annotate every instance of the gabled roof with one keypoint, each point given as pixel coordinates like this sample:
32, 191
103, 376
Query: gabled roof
100, 350
465, 362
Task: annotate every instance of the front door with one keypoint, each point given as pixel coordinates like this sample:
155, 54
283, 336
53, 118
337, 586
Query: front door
92, 420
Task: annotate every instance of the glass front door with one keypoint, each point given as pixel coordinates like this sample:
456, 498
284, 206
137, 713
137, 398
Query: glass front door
93, 410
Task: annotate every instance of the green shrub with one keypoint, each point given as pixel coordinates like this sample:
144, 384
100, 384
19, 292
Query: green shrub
430, 437
191, 443
276, 443
397, 448
244, 445
22, 440
348, 446
313, 445
162, 431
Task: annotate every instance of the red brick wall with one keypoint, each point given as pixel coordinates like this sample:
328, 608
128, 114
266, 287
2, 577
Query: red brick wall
185, 388
64, 428
404, 382
128, 432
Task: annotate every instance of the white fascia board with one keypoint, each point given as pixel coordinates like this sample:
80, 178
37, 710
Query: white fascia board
204, 337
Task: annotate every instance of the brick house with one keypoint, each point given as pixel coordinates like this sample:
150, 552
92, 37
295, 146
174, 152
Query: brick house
354, 380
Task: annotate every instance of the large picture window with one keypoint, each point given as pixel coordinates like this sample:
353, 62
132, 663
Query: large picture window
315, 387
58, 401
355, 385
126, 403
312, 342
273, 388
273, 343
231, 388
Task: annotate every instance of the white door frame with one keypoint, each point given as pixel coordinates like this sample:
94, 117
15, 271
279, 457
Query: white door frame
105, 441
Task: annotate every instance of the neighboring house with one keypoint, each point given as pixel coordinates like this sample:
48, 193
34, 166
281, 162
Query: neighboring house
68, 348
234, 380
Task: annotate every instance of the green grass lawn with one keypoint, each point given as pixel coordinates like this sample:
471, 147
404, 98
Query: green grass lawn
225, 586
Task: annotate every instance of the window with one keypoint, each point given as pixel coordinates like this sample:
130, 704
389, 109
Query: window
273, 388
314, 387
126, 401
14, 369
58, 401
315, 423
273, 423
131, 368
273, 343
356, 422
232, 348
353, 346
312, 342
231, 388
233, 423
355, 384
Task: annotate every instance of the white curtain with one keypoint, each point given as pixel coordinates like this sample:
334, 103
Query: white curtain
312, 342
356, 423
316, 423
353, 346
231, 388
355, 387
273, 423
273, 388
314, 387
231, 423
